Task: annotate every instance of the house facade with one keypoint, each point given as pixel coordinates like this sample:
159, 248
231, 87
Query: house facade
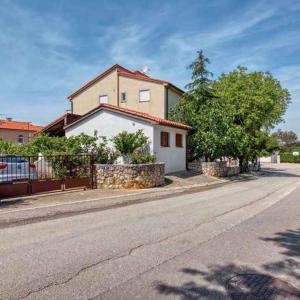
123, 100
167, 138
126, 89
17, 132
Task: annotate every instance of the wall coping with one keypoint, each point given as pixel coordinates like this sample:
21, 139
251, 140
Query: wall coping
131, 165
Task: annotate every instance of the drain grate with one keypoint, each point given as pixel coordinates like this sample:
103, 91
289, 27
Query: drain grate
262, 287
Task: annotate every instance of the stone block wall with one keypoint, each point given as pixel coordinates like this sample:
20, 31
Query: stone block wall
130, 176
218, 168
232, 171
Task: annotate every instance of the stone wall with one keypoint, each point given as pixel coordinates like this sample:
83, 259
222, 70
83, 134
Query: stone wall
130, 176
218, 169
232, 171
195, 165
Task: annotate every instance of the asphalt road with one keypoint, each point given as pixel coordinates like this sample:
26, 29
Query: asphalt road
185, 247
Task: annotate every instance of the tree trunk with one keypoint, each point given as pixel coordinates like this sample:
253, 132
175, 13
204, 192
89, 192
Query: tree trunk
244, 164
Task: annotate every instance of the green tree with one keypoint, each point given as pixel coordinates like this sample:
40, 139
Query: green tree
214, 132
286, 138
233, 115
257, 101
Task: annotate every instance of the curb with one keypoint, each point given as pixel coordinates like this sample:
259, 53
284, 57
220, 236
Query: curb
50, 212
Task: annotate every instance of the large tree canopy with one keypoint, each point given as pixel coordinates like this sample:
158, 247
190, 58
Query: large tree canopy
232, 115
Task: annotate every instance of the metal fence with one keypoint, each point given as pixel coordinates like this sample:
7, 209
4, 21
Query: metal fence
44, 173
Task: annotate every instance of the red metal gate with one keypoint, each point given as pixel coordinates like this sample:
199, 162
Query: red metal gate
25, 175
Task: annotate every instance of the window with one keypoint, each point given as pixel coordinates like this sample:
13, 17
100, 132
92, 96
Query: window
103, 99
164, 139
21, 139
123, 97
144, 96
178, 140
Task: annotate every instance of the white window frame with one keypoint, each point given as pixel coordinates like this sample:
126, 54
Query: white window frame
141, 93
102, 96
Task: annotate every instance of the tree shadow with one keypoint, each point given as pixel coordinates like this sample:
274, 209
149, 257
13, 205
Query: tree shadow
269, 172
216, 281
12, 203
230, 282
289, 240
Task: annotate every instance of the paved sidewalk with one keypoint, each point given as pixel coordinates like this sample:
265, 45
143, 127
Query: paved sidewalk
36, 208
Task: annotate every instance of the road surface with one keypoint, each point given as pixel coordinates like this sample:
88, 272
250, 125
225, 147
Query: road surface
185, 247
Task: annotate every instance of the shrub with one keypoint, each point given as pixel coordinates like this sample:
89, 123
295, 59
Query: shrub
140, 158
126, 143
60, 147
289, 158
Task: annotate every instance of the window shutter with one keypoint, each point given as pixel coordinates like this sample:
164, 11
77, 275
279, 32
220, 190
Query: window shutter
164, 139
178, 140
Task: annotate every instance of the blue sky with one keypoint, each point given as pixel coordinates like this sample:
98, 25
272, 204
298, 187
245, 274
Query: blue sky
50, 48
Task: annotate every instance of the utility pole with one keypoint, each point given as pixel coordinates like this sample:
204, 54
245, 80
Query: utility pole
28, 128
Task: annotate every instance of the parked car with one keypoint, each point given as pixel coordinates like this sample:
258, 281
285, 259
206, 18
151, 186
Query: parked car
14, 168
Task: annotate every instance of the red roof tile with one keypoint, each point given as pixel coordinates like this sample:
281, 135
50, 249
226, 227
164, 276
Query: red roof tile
58, 119
17, 125
136, 114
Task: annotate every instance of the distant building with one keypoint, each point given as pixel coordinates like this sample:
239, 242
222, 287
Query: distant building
16, 131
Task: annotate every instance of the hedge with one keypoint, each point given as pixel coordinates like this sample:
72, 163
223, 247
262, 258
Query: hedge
289, 158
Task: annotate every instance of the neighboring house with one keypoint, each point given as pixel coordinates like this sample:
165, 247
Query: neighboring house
16, 131
56, 127
127, 89
167, 138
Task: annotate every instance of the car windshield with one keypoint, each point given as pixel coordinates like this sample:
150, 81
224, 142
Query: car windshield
13, 159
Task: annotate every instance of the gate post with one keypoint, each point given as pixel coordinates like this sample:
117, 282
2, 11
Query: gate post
92, 173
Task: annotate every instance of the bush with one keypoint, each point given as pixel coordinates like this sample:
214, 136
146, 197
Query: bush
126, 143
289, 158
140, 158
55, 146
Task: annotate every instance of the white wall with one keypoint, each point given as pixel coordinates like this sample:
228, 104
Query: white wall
109, 124
174, 157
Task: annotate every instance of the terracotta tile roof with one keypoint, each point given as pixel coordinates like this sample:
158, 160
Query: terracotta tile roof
17, 125
59, 119
136, 114
94, 80
126, 73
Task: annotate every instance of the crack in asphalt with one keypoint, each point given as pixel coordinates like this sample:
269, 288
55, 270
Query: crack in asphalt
81, 270
132, 250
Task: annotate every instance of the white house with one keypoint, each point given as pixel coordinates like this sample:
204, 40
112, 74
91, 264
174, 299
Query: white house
167, 138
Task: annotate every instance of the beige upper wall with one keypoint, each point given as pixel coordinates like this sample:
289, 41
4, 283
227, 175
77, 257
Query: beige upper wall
156, 105
173, 98
12, 135
89, 99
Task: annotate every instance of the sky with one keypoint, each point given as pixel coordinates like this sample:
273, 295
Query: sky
48, 49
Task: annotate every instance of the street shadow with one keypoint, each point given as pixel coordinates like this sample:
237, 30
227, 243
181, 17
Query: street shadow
289, 240
185, 174
12, 203
168, 181
219, 281
269, 172
229, 282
